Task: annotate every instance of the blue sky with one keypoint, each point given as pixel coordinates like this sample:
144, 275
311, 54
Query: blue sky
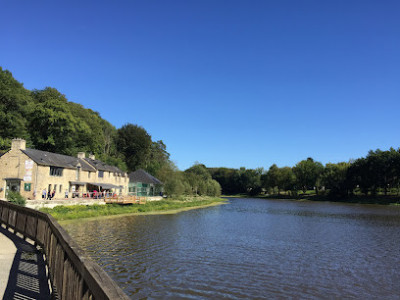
225, 83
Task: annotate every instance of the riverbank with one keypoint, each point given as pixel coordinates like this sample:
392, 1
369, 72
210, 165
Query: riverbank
359, 199
170, 206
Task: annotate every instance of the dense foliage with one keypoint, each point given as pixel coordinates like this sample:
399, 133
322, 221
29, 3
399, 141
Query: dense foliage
376, 174
48, 121
16, 198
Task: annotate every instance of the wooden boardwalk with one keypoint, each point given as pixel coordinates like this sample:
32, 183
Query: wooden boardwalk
125, 200
22, 269
72, 273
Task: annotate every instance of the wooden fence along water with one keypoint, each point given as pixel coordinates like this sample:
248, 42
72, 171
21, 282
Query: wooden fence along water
73, 275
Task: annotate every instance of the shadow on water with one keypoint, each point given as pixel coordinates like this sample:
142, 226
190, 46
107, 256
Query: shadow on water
27, 278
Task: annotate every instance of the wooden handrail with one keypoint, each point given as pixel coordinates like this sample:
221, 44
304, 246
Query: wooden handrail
72, 273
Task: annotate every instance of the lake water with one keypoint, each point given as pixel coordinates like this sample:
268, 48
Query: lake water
251, 248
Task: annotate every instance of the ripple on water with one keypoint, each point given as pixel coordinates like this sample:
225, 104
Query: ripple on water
251, 249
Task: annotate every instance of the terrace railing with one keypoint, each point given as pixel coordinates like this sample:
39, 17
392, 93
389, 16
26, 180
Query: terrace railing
127, 199
73, 275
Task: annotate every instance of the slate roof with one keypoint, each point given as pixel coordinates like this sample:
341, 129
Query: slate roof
144, 177
99, 165
45, 158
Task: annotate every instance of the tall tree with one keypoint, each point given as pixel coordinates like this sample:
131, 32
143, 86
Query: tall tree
229, 179
270, 180
52, 126
157, 158
286, 179
250, 180
334, 178
307, 172
15, 105
199, 179
134, 143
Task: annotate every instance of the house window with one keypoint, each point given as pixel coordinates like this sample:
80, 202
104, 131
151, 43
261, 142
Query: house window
60, 188
101, 174
56, 171
27, 187
89, 174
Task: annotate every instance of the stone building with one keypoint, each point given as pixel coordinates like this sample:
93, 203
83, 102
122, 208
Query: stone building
31, 171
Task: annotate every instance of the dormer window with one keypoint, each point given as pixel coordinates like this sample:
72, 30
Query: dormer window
56, 171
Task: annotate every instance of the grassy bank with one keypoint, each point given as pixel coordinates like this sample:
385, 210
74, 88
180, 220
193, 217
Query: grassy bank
361, 199
163, 206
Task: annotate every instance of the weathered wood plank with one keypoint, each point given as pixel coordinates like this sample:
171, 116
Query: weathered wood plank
31, 224
59, 268
4, 215
72, 273
12, 218
21, 220
41, 232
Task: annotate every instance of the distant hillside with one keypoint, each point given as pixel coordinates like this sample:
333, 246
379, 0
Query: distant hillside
48, 121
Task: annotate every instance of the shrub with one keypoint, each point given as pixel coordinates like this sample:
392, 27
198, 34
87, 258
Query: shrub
16, 198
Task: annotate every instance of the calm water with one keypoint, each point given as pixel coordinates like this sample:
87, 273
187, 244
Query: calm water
252, 248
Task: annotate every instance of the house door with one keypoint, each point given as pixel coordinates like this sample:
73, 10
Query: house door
13, 185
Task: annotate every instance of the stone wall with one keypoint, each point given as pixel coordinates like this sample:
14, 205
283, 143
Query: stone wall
13, 165
34, 178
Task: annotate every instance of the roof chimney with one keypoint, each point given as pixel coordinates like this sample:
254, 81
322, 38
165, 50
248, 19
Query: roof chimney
18, 144
91, 156
81, 155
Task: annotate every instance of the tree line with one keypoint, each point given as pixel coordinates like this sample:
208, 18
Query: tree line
49, 122
376, 174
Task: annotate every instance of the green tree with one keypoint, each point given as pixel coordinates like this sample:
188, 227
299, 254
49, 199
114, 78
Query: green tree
88, 136
286, 179
271, 178
174, 184
196, 176
334, 178
282, 179
15, 106
307, 172
134, 143
250, 180
52, 126
158, 157
213, 188
358, 175
228, 179
379, 170
200, 181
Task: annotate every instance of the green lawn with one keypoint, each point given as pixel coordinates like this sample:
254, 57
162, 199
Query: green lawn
92, 211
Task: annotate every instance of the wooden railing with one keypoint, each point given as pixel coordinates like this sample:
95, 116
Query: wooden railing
73, 275
125, 199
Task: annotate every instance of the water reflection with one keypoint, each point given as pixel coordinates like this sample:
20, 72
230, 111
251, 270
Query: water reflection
251, 248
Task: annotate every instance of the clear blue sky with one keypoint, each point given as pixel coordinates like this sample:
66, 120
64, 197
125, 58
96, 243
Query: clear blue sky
225, 83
